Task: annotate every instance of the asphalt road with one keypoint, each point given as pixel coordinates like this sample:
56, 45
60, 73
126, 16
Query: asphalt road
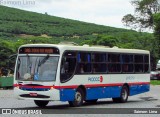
150, 100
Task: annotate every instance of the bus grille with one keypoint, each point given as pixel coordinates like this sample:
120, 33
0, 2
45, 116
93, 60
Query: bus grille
34, 89
38, 96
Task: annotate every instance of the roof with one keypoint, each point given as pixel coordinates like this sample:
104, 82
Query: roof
89, 48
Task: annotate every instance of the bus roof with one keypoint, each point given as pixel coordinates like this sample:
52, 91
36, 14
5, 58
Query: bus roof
89, 48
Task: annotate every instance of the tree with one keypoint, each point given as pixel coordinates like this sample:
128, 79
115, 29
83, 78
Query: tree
17, 28
157, 30
4, 53
143, 17
105, 40
157, 25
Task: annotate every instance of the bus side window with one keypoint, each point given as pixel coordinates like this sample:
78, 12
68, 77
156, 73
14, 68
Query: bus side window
146, 64
127, 63
80, 68
99, 68
87, 67
138, 60
68, 65
84, 62
99, 64
114, 63
64, 67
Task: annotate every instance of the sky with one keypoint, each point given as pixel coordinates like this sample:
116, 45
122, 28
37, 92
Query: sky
103, 12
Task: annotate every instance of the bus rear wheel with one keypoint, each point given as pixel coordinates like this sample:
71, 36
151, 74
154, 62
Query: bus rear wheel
78, 99
41, 103
124, 95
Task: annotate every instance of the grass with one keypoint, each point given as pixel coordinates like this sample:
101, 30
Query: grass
155, 82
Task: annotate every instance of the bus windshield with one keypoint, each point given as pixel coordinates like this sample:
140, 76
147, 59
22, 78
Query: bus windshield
37, 68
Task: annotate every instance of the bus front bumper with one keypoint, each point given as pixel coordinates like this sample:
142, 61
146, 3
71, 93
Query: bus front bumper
50, 95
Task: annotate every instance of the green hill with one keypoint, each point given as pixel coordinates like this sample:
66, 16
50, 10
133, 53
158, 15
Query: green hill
14, 22
30, 27
19, 27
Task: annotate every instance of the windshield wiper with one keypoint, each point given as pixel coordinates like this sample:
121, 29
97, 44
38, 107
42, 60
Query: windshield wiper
29, 61
43, 61
18, 64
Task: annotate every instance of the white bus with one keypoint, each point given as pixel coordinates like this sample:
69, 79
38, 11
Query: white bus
48, 72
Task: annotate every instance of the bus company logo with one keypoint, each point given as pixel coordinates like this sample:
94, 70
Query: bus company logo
101, 78
95, 79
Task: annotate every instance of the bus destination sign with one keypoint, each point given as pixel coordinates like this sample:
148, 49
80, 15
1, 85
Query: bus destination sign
38, 50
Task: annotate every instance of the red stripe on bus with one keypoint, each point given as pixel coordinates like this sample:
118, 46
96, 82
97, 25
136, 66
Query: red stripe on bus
103, 85
100, 85
56, 87
27, 86
139, 83
87, 86
66, 87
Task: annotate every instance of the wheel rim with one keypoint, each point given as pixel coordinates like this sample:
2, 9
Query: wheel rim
124, 94
78, 97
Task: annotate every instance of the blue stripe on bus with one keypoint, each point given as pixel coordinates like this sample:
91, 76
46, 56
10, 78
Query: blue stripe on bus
137, 89
102, 92
67, 94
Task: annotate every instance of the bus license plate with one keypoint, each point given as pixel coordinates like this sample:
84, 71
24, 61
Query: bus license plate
33, 94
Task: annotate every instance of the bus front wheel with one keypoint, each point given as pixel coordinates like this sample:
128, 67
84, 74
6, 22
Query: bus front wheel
78, 98
124, 95
41, 103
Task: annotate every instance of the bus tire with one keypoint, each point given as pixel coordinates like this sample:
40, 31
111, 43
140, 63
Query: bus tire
124, 95
41, 103
91, 101
78, 100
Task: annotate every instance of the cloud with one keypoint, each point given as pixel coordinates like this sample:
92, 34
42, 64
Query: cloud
105, 12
